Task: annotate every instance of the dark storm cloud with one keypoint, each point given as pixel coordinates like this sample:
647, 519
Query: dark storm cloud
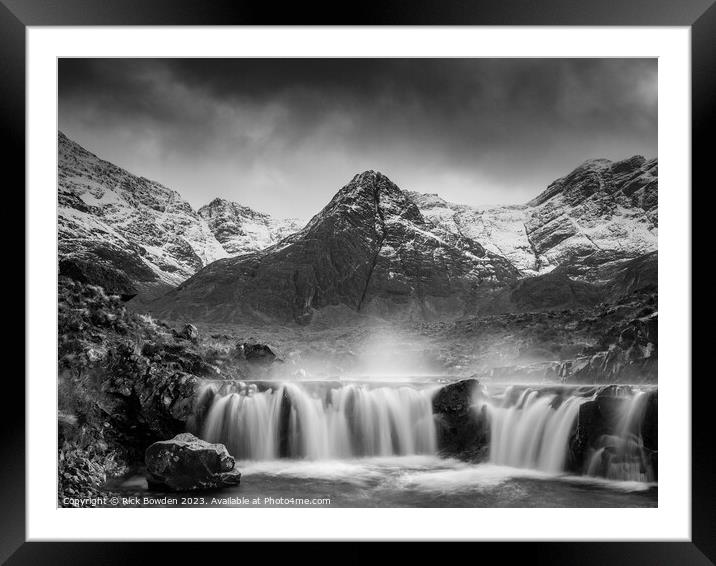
284, 134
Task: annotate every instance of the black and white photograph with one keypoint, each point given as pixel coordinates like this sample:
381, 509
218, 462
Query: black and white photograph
374, 282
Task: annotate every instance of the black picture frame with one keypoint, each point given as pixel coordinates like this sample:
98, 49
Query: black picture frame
17, 15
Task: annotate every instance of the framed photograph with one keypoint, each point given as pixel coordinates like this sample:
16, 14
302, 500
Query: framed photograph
400, 278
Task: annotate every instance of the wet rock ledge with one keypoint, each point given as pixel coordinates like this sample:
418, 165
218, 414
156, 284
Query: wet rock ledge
462, 431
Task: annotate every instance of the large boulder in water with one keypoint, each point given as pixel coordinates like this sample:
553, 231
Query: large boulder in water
187, 463
462, 430
455, 398
597, 418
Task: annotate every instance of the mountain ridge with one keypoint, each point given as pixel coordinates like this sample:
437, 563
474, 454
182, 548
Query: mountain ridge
133, 235
241, 229
116, 226
603, 212
374, 249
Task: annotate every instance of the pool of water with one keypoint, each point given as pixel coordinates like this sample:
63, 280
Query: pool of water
408, 481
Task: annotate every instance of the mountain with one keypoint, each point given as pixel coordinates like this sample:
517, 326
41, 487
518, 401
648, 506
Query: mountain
559, 290
240, 229
600, 215
135, 236
380, 250
125, 232
369, 250
589, 237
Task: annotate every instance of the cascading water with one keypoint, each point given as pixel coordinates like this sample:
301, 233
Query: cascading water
534, 431
589, 430
533, 428
622, 455
298, 421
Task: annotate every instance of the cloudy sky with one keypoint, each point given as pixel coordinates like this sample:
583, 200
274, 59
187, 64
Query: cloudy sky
283, 135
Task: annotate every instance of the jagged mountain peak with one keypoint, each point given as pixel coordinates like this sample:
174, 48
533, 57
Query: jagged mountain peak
368, 250
241, 229
220, 206
368, 194
601, 213
369, 175
131, 234
368, 184
373, 248
125, 232
218, 202
370, 178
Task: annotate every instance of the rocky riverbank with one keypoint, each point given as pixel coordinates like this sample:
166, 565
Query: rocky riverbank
125, 381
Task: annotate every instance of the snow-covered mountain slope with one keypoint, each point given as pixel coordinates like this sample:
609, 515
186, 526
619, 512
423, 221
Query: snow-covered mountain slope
602, 214
127, 231
374, 248
501, 230
241, 229
369, 250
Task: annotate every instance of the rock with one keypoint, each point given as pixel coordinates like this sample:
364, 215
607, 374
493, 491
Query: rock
528, 372
65, 419
463, 431
90, 272
150, 398
650, 425
151, 349
190, 332
597, 419
455, 398
631, 358
255, 352
598, 430
95, 355
187, 463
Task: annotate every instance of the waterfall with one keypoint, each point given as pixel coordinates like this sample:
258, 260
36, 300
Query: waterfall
590, 430
534, 427
534, 431
622, 455
300, 421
